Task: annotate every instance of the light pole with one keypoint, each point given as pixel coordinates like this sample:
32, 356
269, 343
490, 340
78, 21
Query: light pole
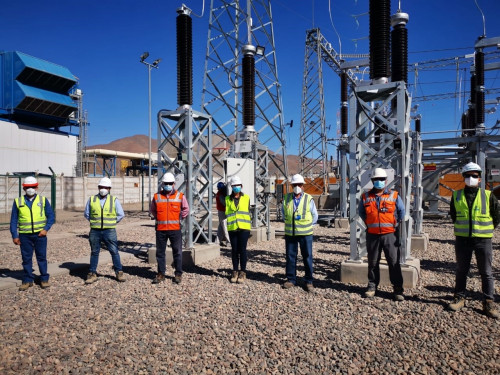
155, 63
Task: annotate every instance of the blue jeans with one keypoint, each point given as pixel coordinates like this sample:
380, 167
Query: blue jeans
292, 246
108, 237
175, 237
30, 242
464, 247
239, 240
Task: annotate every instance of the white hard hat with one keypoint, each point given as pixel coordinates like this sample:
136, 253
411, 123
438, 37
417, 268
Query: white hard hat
236, 180
105, 182
379, 173
168, 177
470, 167
297, 179
30, 182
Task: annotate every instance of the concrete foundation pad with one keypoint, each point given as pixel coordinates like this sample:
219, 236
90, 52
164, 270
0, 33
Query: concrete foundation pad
420, 241
356, 272
199, 254
342, 222
260, 234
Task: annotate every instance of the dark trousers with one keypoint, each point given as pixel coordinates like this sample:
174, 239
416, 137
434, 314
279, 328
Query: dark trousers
175, 237
239, 240
464, 247
30, 242
292, 244
375, 244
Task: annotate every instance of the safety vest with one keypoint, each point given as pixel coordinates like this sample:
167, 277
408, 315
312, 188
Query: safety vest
298, 222
380, 220
103, 217
238, 218
168, 211
31, 219
476, 222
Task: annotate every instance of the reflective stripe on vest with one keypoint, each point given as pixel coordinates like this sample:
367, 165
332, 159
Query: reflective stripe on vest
238, 218
481, 222
31, 219
380, 219
103, 217
294, 226
168, 211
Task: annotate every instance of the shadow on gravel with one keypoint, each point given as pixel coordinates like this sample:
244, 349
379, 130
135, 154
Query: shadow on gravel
143, 272
76, 269
438, 266
5, 272
449, 242
332, 239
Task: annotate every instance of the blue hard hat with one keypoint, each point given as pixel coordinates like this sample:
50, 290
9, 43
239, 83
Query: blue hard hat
221, 185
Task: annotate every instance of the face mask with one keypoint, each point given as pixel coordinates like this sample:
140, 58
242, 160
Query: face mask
297, 189
30, 192
379, 184
471, 181
168, 187
236, 189
103, 192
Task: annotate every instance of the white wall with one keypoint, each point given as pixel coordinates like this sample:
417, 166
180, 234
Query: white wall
26, 149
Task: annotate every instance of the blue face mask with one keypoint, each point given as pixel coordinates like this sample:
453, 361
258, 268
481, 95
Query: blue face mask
379, 184
168, 187
236, 189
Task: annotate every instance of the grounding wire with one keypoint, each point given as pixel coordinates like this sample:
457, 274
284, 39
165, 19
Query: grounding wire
202, 10
334, 28
484, 21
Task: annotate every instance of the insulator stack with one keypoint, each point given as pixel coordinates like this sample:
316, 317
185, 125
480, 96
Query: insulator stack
465, 124
380, 38
184, 60
479, 65
248, 89
399, 47
471, 123
343, 99
417, 125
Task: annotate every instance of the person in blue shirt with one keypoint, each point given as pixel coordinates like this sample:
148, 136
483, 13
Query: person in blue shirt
31, 218
104, 211
300, 214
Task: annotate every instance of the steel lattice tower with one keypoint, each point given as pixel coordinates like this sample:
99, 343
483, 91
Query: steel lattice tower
313, 152
227, 34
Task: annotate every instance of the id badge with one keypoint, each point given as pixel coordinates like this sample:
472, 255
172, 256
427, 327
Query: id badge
297, 217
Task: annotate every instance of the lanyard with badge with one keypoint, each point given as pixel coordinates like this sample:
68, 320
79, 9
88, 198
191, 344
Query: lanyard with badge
296, 203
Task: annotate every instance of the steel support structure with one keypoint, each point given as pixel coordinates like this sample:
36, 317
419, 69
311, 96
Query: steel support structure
418, 169
227, 34
313, 152
369, 114
185, 148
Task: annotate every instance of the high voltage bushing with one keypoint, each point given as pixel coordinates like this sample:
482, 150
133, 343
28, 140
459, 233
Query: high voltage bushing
249, 86
399, 47
471, 123
343, 99
184, 58
380, 38
479, 67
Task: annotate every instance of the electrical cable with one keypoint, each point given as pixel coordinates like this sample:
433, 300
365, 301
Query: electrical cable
334, 28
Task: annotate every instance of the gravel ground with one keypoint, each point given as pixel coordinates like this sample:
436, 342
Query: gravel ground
208, 326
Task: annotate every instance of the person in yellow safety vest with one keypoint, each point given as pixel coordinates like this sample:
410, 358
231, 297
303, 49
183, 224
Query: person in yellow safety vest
475, 213
31, 218
104, 211
382, 210
300, 214
239, 224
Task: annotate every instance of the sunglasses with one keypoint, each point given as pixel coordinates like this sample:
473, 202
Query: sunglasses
297, 185
378, 179
472, 175
168, 183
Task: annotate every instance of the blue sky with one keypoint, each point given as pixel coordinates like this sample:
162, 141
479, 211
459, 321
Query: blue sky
100, 42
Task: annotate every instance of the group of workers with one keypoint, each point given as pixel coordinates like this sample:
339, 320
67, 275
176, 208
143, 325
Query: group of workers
474, 212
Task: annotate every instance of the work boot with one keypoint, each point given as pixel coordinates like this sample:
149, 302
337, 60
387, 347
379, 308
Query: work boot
490, 309
159, 278
309, 288
457, 304
44, 284
288, 285
242, 277
177, 279
25, 286
120, 276
370, 292
234, 277
398, 294
91, 278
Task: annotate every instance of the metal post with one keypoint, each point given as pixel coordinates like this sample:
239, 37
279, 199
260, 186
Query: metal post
149, 139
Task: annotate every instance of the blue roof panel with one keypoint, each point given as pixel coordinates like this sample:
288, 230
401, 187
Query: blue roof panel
22, 60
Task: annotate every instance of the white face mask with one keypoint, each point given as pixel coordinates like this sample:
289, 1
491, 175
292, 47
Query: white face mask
30, 192
103, 192
297, 190
471, 181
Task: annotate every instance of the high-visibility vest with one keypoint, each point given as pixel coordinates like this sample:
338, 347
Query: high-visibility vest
168, 211
103, 217
477, 222
380, 220
298, 222
31, 219
238, 217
